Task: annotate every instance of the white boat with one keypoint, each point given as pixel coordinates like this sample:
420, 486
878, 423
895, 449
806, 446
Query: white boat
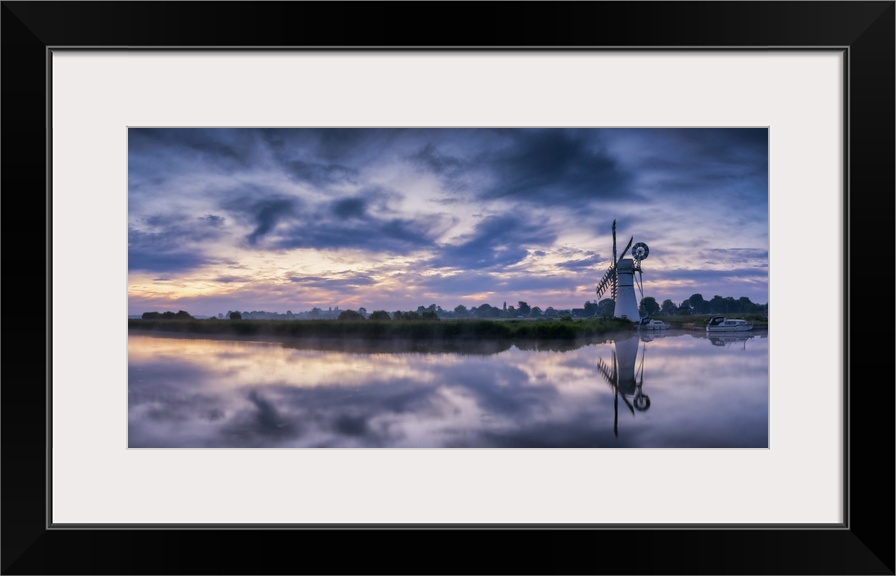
725, 324
652, 324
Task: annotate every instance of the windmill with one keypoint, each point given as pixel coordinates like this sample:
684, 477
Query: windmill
623, 379
620, 279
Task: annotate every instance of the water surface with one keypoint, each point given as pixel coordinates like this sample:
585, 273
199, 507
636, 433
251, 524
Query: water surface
675, 390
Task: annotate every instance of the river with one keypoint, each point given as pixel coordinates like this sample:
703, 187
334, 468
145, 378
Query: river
673, 389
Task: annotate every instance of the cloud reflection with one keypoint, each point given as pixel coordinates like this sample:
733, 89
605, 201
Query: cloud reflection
224, 394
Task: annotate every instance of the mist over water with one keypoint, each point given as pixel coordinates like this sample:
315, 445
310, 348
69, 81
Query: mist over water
676, 390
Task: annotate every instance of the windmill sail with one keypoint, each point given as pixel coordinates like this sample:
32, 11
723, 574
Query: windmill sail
614, 240
609, 279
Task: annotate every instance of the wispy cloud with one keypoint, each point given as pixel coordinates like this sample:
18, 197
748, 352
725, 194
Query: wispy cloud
506, 208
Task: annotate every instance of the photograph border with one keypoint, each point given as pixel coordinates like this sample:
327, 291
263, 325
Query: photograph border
863, 31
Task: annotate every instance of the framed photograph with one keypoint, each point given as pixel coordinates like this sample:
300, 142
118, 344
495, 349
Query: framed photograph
311, 174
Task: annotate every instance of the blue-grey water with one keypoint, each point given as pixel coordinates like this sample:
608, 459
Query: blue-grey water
671, 390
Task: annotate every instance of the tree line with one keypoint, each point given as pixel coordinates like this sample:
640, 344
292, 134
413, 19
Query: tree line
696, 304
179, 315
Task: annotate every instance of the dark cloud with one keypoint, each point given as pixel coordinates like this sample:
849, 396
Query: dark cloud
263, 213
176, 229
267, 213
324, 157
348, 425
496, 241
409, 232
430, 159
172, 261
729, 165
212, 220
390, 235
350, 208
320, 174
363, 221
339, 144
746, 146
169, 244
557, 167
221, 149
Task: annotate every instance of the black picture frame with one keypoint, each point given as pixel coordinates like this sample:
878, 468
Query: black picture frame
864, 31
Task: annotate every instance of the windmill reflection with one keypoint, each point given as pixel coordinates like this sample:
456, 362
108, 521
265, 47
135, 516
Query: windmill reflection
623, 379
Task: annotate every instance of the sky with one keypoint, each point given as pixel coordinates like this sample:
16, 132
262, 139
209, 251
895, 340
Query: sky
288, 219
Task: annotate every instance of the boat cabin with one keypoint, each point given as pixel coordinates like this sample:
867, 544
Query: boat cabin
648, 323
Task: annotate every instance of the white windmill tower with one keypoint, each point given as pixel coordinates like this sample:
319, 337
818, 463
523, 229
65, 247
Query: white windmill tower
620, 278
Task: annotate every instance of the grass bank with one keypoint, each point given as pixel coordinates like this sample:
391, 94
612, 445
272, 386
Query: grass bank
386, 330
